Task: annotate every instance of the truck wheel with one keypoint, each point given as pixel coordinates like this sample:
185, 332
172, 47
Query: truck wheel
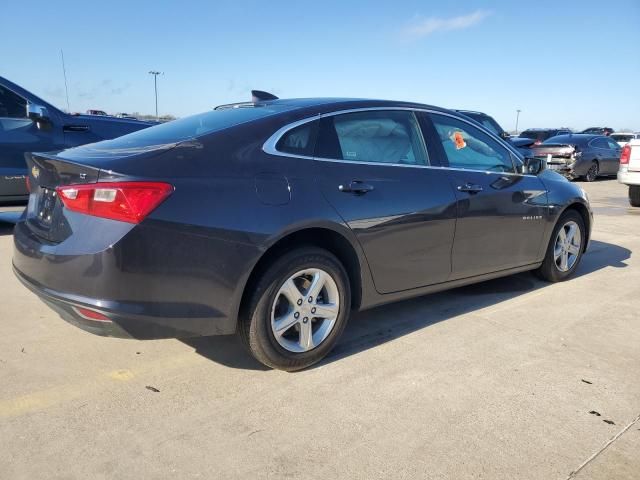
634, 195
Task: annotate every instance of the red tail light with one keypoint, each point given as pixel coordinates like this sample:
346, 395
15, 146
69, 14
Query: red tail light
28, 182
91, 314
125, 201
625, 155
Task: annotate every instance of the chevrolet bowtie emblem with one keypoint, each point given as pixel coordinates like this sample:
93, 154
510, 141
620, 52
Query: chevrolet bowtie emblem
35, 171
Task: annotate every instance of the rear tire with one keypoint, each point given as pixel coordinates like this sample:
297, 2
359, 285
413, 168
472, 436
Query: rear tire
297, 310
565, 250
592, 173
634, 195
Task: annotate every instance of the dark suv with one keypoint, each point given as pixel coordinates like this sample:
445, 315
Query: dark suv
29, 124
488, 122
606, 131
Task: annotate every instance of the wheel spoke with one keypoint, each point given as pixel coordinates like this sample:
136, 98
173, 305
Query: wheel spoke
291, 291
557, 251
317, 283
572, 232
306, 335
564, 261
326, 310
281, 325
573, 249
562, 235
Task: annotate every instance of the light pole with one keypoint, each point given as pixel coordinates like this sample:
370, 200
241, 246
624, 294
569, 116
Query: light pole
517, 118
155, 85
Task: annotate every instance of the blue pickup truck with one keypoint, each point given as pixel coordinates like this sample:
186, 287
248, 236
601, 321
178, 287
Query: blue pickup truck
29, 124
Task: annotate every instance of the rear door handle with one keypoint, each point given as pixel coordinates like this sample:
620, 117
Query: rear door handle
356, 186
469, 188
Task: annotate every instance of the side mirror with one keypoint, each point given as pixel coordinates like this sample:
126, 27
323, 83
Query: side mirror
534, 166
38, 114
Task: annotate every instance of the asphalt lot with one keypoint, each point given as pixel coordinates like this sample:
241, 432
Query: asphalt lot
511, 378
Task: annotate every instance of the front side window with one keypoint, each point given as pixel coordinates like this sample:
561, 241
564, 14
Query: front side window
469, 148
378, 136
11, 104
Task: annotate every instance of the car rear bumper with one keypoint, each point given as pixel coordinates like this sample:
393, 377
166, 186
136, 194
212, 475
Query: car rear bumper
121, 323
628, 178
173, 292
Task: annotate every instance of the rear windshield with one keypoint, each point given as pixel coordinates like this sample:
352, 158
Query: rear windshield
540, 135
568, 139
188, 128
622, 138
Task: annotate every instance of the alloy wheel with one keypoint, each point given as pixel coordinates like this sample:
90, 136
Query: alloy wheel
567, 246
305, 310
592, 173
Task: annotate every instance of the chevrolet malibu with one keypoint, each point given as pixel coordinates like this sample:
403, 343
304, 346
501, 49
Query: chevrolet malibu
278, 218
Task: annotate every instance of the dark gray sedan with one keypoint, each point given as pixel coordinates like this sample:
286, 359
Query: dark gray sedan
277, 218
580, 155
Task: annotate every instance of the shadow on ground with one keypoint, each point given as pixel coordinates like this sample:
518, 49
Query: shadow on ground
377, 326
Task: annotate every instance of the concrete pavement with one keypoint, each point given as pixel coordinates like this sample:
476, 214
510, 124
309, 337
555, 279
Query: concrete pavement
512, 378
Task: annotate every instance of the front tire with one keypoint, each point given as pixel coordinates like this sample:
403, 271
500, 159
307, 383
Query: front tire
565, 248
592, 173
634, 195
298, 309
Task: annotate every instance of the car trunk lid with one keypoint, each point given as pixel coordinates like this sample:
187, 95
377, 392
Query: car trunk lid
45, 215
554, 152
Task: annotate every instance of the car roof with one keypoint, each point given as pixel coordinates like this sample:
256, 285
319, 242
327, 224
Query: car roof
334, 103
545, 129
577, 137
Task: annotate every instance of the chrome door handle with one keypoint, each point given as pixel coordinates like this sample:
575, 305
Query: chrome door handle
470, 188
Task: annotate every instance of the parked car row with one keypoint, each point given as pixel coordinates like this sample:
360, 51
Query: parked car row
587, 155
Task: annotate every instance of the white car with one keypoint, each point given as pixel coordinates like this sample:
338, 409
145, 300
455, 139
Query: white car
624, 137
629, 171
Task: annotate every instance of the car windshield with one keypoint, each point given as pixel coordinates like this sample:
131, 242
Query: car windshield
486, 121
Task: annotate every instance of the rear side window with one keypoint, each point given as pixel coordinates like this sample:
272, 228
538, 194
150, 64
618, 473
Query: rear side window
299, 140
600, 143
612, 144
469, 148
382, 136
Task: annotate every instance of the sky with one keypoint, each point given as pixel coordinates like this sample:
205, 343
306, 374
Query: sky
572, 63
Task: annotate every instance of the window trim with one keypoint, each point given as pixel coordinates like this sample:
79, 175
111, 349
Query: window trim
269, 146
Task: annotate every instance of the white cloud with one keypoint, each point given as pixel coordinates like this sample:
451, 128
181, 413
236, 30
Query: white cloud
423, 27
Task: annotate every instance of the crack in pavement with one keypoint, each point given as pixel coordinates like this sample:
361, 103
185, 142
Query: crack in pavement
604, 447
